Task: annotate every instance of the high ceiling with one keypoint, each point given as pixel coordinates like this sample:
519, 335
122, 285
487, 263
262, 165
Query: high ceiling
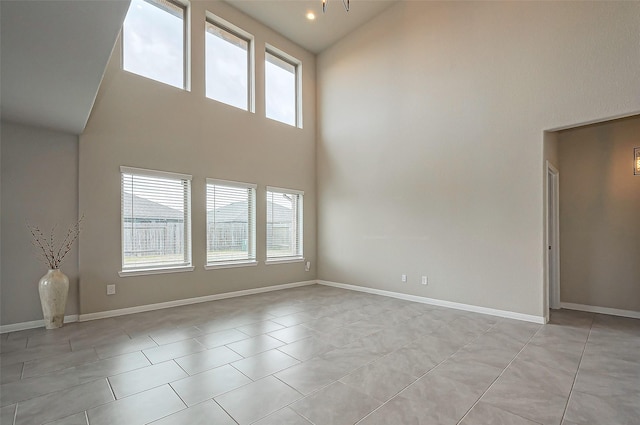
53, 53
53, 56
288, 18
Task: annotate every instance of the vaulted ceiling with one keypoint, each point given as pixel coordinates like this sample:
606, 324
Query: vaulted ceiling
54, 52
288, 18
53, 56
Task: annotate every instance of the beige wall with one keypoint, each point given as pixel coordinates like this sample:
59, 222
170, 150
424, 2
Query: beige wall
141, 123
600, 215
40, 186
431, 121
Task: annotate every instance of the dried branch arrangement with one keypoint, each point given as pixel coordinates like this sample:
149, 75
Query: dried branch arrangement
51, 253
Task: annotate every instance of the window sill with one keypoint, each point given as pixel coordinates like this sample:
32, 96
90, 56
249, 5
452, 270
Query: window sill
230, 265
284, 260
144, 272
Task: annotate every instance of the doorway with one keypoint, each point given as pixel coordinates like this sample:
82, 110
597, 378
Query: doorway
553, 236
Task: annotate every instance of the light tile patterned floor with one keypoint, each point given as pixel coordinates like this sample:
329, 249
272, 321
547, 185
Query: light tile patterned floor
323, 356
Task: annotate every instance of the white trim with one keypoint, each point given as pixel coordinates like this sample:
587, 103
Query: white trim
283, 190
154, 173
230, 183
217, 21
441, 303
186, 45
271, 261
299, 255
602, 310
188, 301
236, 31
188, 237
552, 288
33, 324
281, 54
143, 272
251, 190
594, 121
297, 64
229, 265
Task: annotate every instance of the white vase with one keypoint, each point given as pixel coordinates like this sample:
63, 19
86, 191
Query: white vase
53, 288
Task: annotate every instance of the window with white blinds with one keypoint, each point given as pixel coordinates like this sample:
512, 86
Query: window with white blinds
231, 223
156, 220
284, 224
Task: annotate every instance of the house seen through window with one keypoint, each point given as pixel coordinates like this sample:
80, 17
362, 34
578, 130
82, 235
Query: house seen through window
284, 224
156, 220
231, 223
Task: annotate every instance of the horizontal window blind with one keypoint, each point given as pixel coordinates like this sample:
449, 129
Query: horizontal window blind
156, 219
231, 222
284, 224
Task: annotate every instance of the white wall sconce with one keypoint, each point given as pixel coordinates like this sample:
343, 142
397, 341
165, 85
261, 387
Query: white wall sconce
636, 161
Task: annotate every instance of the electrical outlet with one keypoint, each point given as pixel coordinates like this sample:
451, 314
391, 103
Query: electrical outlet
307, 266
403, 277
111, 289
425, 281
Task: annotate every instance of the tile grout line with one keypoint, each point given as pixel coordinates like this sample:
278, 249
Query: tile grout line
297, 400
146, 357
224, 410
430, 370
243, 374
364, 337
498, 377
469, 343
566, 406
303, 416
111, 389
186, 406
15, 415
299, 392
174, 360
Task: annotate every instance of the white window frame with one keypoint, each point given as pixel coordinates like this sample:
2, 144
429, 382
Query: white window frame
186, 46
139, 271
222, 264
250, 39
300, 227
297, 64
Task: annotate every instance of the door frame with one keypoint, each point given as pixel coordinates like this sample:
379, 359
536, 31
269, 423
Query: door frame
552, 236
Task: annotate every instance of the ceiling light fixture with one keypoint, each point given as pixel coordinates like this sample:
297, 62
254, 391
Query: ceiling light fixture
344, 2
311, 16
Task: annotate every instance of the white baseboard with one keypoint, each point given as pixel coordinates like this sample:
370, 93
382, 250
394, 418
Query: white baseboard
187, 301
441, 303
602, 310
120, 312
458, 306
32, 324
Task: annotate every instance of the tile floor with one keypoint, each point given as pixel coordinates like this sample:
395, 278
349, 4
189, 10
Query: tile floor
321, 355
